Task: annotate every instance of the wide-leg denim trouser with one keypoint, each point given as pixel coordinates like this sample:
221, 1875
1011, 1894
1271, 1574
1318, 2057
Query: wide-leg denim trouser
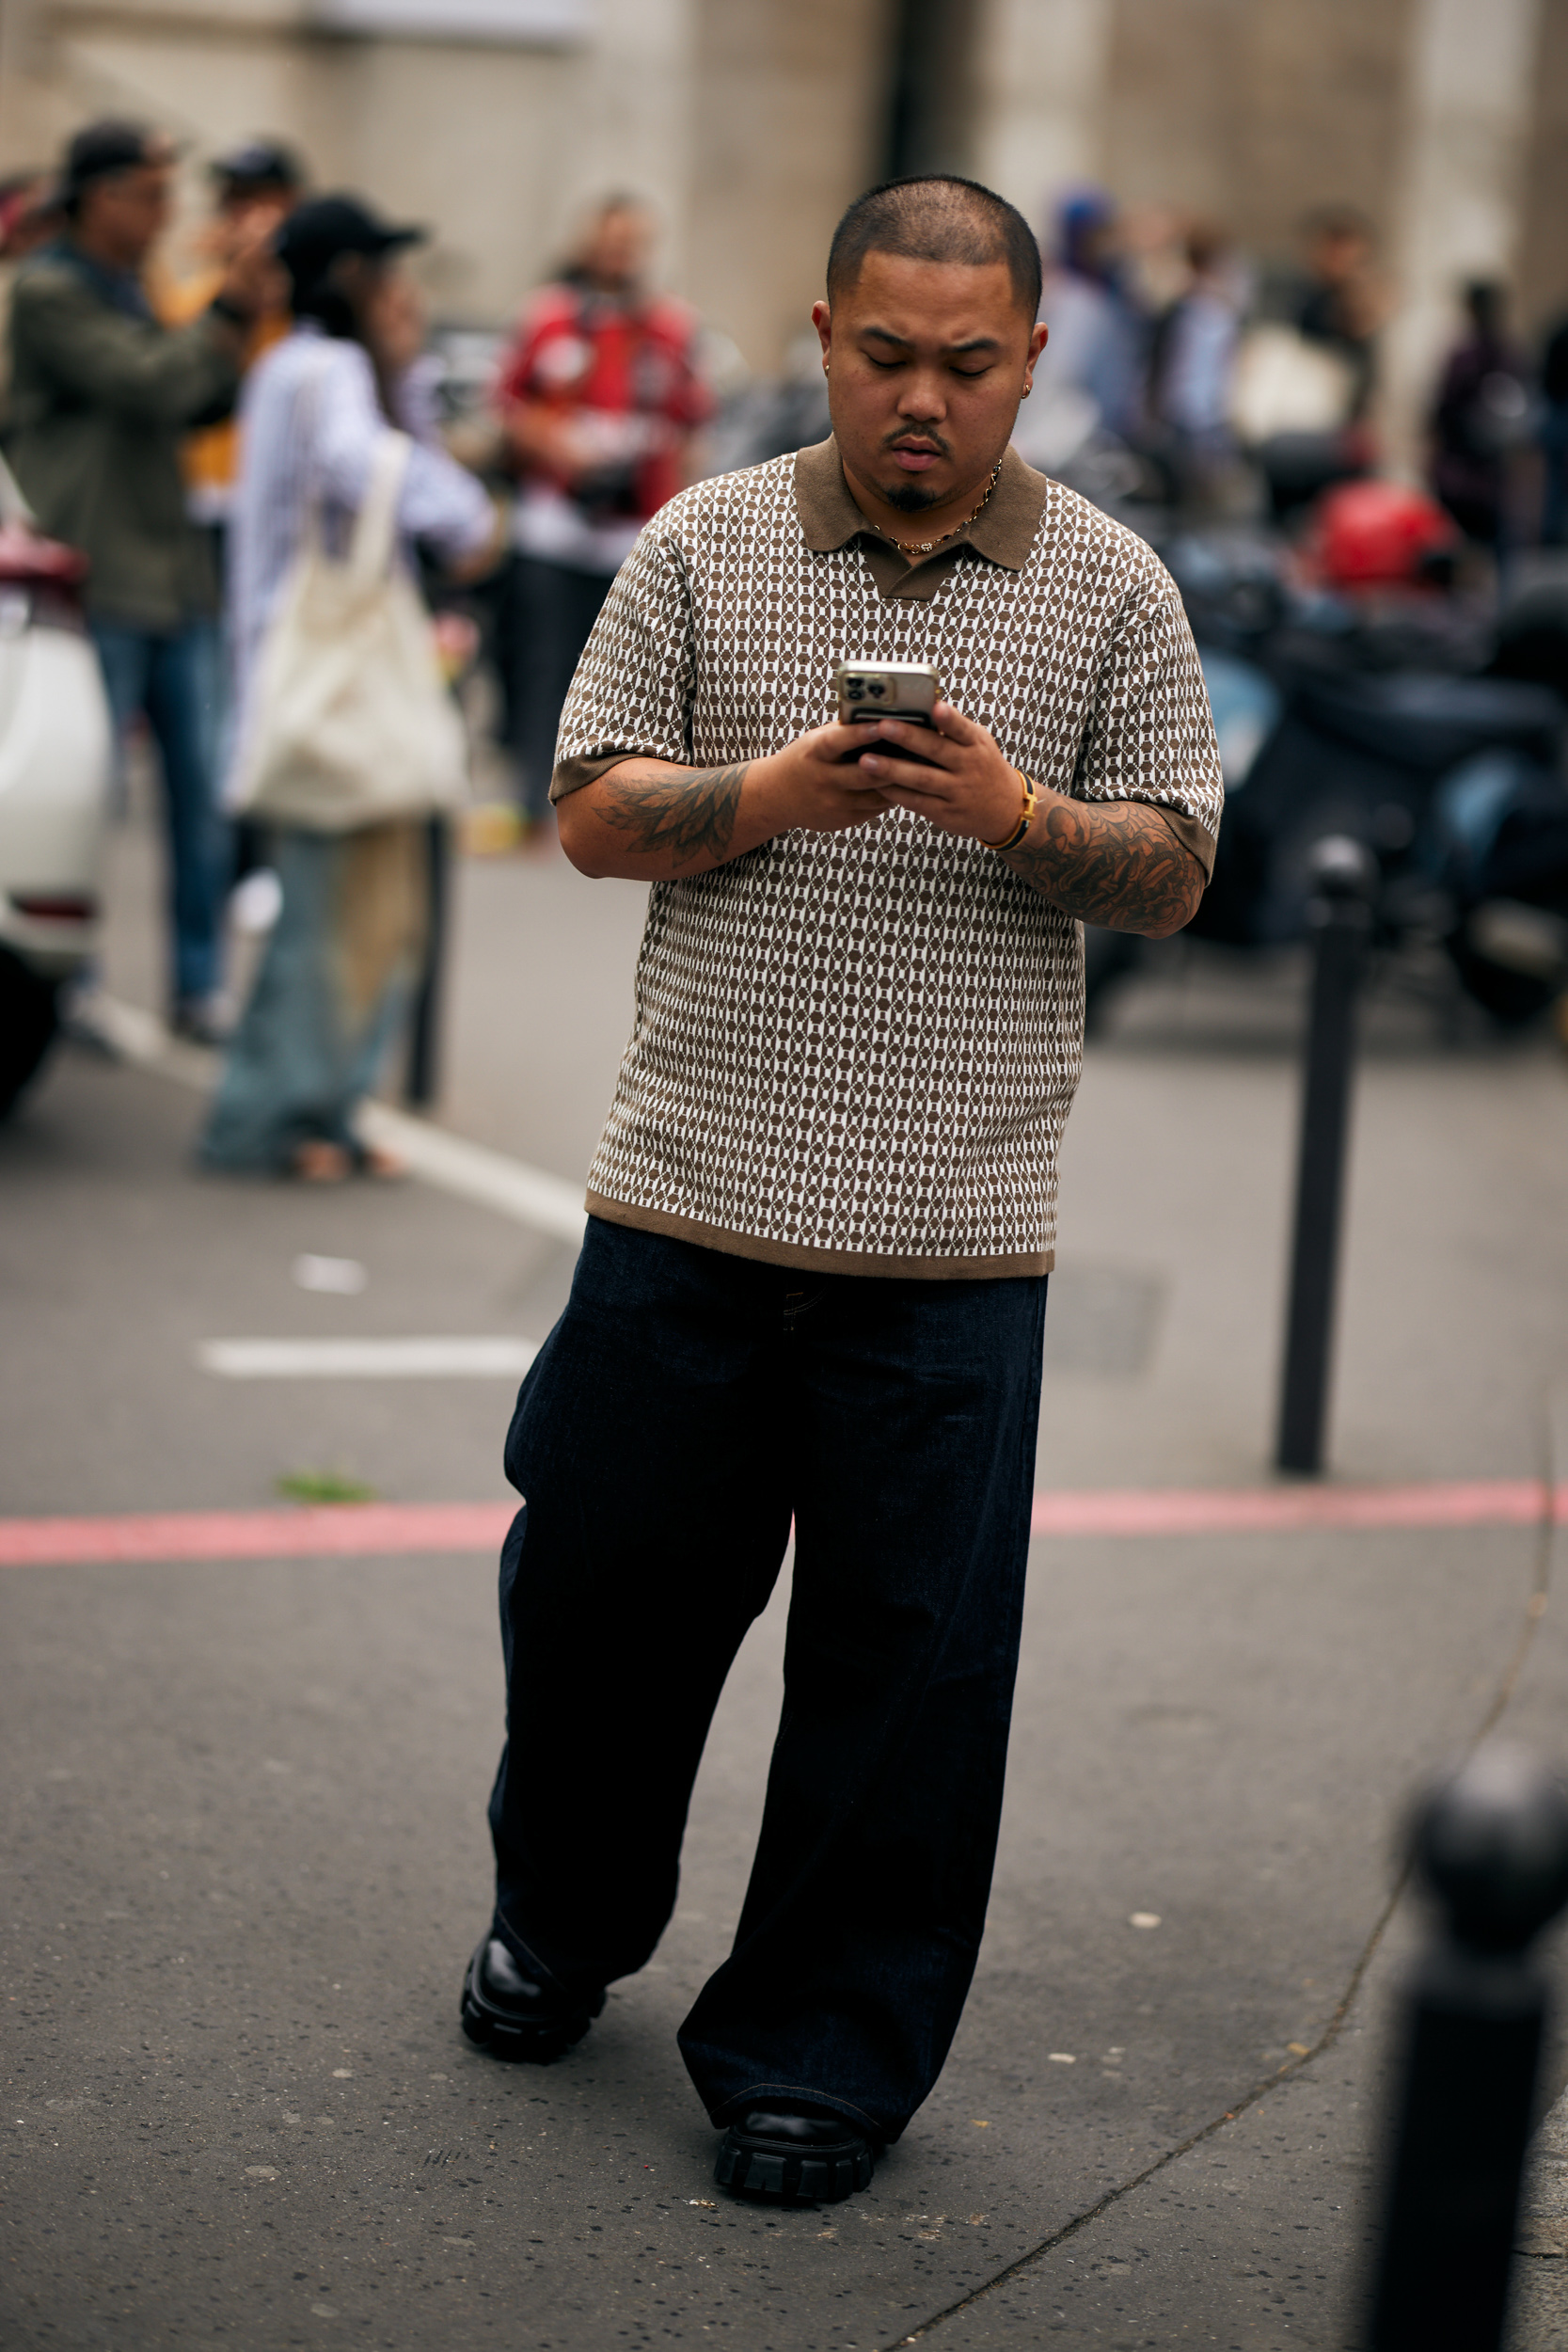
687, 1406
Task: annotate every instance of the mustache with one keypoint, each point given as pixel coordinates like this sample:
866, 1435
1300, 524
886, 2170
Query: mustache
928, 439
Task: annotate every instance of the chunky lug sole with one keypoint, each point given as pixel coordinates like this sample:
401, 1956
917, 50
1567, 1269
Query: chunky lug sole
749, 2166
507, 2036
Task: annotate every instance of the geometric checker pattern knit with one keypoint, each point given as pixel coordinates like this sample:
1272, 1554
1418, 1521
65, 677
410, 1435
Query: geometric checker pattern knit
857, 1051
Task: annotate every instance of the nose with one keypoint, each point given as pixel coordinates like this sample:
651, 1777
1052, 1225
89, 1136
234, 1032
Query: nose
922, 398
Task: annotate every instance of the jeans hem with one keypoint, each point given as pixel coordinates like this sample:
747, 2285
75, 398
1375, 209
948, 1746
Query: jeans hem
729, 2110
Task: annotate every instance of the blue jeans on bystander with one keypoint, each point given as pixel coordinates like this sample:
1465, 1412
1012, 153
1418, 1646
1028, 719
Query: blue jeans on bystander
175, 681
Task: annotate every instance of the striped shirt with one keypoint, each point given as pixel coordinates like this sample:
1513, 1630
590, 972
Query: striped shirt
310, 420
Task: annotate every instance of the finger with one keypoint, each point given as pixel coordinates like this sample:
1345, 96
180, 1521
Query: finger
941, 814
942, 751
951, 722
903, 775
853, 774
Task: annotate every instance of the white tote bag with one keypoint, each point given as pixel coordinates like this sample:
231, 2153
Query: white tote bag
350, 722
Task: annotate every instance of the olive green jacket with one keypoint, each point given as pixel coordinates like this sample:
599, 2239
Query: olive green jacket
99, 401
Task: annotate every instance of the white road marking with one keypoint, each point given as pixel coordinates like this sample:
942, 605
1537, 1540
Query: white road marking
344, 1276
366, 1359
472, 1171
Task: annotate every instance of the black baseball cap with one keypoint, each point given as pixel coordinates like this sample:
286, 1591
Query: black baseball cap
104, 148
317, 233
259, 164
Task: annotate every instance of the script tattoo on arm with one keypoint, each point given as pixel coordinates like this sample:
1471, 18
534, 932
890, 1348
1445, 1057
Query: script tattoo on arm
689, 818
1112, 862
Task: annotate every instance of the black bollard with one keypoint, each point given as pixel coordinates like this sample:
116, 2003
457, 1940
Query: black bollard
1343, 876
422, 1081
1492, 1845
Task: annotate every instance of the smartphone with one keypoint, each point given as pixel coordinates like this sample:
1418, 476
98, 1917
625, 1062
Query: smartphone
869, 690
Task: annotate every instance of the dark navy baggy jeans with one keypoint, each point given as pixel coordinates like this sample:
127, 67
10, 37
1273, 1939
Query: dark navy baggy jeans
687, 1406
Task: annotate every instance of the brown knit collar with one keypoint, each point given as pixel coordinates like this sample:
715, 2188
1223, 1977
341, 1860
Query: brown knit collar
1004, 533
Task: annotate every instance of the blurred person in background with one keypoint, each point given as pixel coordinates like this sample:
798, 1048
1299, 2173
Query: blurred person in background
102, 393
1098, 337
1479, 417
600, 397
1554, 436
1343, 302
1306, 370
342, 958
1194, 367
29, 216
255, 187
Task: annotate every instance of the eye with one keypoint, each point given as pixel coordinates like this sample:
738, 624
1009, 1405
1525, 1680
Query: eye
884, 364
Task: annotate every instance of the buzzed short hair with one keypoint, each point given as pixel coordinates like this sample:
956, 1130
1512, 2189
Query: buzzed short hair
937, 217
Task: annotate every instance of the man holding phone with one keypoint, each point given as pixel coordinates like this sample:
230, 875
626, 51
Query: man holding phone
822, 1212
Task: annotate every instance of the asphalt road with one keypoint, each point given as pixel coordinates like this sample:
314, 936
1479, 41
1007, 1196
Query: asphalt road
246, 1854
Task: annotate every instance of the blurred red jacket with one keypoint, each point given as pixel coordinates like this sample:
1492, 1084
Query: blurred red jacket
627, 374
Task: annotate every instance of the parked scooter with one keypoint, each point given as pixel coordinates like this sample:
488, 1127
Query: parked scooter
1359, 706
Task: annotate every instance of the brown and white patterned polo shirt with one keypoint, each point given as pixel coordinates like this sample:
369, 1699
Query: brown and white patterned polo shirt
857, 1051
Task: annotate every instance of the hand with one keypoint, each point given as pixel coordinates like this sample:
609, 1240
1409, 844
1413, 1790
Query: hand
543, 436
970, 788
648, 820
814, 785
456, 644
255, 279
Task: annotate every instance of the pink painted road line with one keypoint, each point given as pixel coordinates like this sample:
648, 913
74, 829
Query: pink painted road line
371, 1530
1266, 1510
329, 1531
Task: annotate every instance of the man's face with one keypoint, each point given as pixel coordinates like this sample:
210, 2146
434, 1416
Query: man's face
123, 214
928, 364
617, 252
1336, 255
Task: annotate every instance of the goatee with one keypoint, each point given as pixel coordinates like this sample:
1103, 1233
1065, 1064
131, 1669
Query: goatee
911, 499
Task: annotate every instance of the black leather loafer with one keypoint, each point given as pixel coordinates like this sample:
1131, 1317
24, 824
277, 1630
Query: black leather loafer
514, 2016
794, 2157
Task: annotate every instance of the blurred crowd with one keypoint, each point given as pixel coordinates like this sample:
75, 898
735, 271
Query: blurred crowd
200, 435
1238, 386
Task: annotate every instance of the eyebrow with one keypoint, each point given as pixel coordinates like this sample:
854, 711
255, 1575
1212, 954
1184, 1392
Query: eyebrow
976, 342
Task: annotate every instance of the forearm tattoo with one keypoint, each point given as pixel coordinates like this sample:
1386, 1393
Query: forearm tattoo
1111, 862
687, 818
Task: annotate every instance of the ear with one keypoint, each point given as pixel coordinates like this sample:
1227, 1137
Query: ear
822, 319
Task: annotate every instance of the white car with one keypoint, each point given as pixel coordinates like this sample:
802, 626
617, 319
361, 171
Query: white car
56, 750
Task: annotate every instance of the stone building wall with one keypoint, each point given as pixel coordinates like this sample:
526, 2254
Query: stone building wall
752, 122
1251, 113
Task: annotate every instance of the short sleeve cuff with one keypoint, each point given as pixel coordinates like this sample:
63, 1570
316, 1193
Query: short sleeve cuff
1188, 830
572, 774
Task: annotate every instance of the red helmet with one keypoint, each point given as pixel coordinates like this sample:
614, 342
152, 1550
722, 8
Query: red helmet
1380, 534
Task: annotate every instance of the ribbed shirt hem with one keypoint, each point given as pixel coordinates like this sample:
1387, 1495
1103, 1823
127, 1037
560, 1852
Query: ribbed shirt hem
861, 1261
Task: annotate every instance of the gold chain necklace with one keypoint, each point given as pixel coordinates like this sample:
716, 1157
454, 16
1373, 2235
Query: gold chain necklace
928, 547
